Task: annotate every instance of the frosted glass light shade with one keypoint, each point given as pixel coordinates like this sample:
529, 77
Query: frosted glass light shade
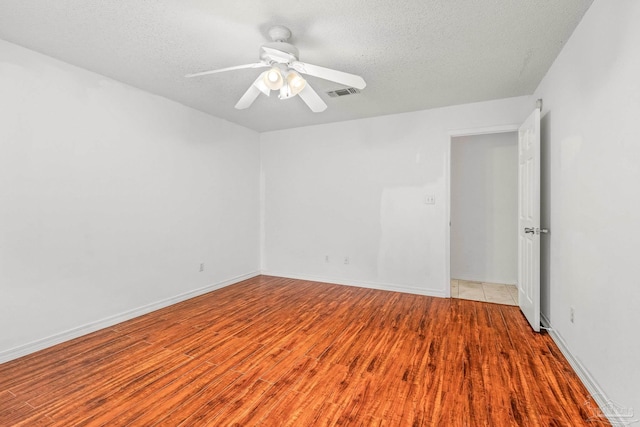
295, 82
273, 79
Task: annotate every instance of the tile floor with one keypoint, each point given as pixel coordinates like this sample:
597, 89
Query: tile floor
488, 292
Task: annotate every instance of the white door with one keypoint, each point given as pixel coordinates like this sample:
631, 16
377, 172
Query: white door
529, 219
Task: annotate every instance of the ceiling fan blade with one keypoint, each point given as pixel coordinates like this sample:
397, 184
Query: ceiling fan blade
259, 83
247, 99
252, 93
312, 99
341, 77
222, 70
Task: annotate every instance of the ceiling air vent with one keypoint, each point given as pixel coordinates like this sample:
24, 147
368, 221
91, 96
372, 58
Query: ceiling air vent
343, 92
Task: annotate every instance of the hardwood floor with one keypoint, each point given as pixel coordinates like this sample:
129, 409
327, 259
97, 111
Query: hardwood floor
279, 352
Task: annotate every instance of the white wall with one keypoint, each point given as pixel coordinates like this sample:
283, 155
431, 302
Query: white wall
484, 207
590, 130
357, 189
110, 198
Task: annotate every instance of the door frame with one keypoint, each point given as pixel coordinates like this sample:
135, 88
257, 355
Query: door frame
455, 134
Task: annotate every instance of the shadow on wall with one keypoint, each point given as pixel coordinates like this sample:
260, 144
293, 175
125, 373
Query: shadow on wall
545, 216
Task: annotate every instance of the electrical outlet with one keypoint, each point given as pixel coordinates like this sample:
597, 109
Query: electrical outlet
346, 260
201, 267
430, 199
572, 314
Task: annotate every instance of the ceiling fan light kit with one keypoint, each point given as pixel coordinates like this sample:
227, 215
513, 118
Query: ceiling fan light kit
284, 73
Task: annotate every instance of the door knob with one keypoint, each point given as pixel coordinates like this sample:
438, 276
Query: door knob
529, 230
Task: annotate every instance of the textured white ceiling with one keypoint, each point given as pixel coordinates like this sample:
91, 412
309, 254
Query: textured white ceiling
414, 54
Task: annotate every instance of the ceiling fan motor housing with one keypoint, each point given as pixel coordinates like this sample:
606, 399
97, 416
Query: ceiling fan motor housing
290, 52
279, 33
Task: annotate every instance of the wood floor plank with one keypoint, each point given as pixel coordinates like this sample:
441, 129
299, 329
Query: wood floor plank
21, 370
101, 412
258, 411
13, 414
51, 393
33, 384
152, 408
287, 411
238, 405
8, 400
208, 405
241, 352
270, 351
207, 386
114, 384
40, 420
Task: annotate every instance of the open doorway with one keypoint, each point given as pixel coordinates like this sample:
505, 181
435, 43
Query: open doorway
484, 217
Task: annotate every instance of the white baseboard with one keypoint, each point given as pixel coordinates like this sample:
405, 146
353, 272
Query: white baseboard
607, 407
442, 293
22, 350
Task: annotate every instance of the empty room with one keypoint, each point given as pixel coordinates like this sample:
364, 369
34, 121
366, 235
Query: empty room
287, 213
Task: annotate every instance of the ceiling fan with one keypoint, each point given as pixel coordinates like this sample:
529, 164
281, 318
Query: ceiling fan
284, 73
